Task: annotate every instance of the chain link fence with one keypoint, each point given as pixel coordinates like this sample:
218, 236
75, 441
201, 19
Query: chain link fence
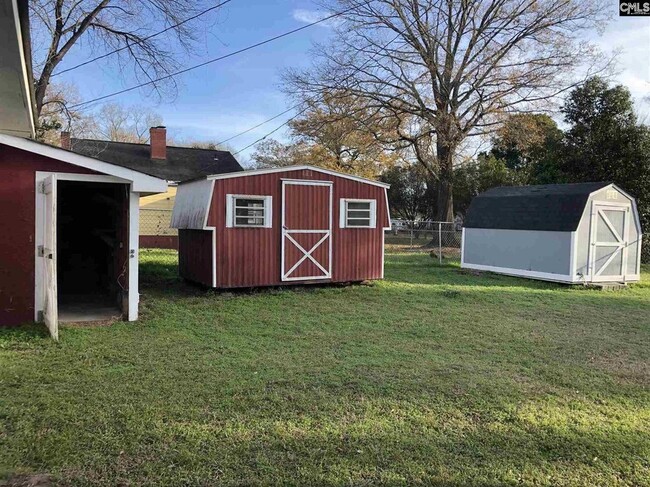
441, 240
158, 243
645, 249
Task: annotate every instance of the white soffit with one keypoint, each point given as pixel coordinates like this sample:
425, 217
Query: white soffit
16, 112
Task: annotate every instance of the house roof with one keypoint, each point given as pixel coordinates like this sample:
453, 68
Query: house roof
548, 207
182, 163
141, 183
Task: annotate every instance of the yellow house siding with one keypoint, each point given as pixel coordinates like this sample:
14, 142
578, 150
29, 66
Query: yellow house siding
156, 213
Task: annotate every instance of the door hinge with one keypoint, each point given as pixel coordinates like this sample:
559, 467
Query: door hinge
41, 251
41, 187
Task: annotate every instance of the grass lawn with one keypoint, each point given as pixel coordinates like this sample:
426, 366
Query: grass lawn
431, 377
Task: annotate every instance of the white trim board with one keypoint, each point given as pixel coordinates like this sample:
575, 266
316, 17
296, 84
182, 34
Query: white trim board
257, 172
133, 238
140, 182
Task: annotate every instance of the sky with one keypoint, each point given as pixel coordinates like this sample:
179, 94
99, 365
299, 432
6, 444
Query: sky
220, 100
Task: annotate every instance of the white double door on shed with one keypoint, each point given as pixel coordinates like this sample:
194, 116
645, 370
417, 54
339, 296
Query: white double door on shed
306, 247
610, 227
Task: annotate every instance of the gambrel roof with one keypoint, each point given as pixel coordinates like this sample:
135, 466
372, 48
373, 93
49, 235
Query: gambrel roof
547, 207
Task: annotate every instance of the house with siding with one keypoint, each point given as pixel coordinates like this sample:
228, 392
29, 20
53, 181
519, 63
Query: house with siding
174, 164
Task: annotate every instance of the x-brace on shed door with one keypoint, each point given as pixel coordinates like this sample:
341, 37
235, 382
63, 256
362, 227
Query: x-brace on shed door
609, 239
306, 230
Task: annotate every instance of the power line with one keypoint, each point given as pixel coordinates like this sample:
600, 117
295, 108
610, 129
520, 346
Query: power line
310, 99
272, 131
258, 125
191, 68
143, 39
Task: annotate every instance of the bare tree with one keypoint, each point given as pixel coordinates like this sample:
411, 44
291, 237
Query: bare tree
125, 26
449, 69
120, 123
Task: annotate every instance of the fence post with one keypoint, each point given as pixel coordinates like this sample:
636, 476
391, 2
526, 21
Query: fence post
412, 230
440, 242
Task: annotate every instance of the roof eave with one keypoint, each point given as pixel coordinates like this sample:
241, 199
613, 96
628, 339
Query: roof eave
258, 172
140, 182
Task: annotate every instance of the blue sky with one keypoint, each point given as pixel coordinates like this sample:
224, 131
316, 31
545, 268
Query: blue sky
217, 101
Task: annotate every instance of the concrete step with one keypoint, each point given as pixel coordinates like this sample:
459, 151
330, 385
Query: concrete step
607, 286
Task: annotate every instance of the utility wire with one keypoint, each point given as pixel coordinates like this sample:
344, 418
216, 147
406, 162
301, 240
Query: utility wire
143, 39
310, 99
258, 125
191, 68
272, 131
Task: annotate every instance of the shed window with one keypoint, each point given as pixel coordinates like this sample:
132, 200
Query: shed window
358, 213
248, 211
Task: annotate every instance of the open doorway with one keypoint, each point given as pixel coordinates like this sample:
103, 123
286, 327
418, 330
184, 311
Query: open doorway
92, 250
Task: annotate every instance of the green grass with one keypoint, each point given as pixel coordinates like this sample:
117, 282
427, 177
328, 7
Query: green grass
431, 377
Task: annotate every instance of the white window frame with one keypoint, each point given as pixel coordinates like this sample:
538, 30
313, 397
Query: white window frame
230, 210
343, 212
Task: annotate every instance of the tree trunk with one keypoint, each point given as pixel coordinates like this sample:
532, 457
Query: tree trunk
445, 203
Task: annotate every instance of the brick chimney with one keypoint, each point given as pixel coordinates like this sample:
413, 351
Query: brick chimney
158, 142
65, 140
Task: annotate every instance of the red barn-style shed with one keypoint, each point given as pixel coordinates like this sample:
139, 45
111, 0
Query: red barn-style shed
290, 225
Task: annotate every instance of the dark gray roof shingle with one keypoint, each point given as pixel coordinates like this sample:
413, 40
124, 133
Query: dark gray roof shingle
549, 207
182, 163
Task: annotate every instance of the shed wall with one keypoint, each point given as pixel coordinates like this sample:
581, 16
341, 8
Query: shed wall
249, 257
17, 252
195, 255
526, 250
606, 195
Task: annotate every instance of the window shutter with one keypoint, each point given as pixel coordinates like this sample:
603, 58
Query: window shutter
342, 212
268, 211
230, 211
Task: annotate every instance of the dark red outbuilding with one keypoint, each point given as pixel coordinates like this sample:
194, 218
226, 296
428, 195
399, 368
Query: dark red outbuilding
292, 225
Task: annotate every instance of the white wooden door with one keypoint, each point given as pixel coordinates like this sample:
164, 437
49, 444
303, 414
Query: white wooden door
609, 228
50, 308
306, 230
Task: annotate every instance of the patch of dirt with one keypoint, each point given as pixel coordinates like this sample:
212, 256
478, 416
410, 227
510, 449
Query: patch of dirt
91, 324
35, 480
623, 367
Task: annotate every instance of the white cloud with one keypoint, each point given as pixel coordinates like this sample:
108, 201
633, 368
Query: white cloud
631, 37
309, 16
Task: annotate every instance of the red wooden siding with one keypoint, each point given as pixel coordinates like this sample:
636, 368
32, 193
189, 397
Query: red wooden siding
249, 257
18, 203
195, 255
159, 242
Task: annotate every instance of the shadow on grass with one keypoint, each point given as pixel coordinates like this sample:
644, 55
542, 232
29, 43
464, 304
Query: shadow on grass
24, 333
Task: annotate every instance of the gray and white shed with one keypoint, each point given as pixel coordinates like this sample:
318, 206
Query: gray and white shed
574, 233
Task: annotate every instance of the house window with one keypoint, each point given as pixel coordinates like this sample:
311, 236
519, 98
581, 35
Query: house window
358, 213
248, 211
